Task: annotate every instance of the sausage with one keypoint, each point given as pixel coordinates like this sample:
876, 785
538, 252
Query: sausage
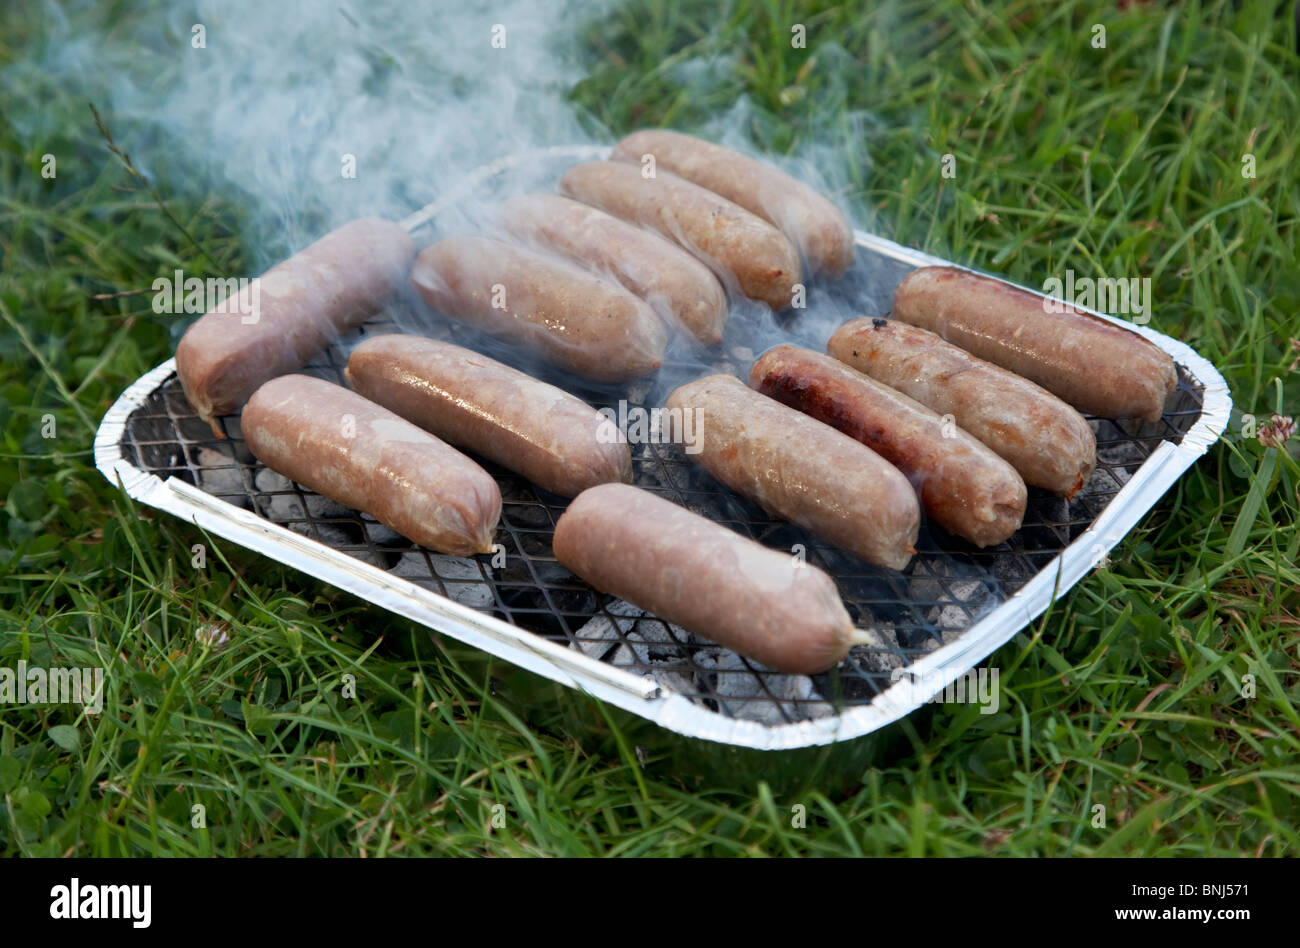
711, 581
1042, 437
683, 291
801, 470
576, 319
812, 222
302, 305
736, 245
964, 487
1096, 366
359, 454
551, 437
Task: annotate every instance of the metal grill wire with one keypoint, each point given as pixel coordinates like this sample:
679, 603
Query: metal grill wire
946, 588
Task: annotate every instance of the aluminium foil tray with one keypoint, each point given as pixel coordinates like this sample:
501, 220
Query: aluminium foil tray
948, 610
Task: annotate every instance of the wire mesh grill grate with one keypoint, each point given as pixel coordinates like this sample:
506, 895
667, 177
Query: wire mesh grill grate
946, 588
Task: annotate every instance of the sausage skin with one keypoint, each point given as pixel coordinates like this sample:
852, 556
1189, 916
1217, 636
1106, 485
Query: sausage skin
801, 470
682, 290
736, 244
711, 581
1047, 441
475, 403
1096, 366
576, 319
809, 219
359, 454
964, 487
303, 304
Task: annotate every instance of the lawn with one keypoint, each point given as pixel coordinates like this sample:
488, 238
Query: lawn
1152, 712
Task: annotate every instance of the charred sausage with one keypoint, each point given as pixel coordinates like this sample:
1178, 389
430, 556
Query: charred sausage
551, 437
302, 304
678, 287
802, 470
1093, 364
741, 248
357, 453
577, 319
812, 222
698, 574
1042, 437
964, 487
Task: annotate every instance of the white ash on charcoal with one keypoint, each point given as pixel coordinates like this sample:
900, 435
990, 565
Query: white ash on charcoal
646, 645
283, 504
278, 502
1115, 466
461, 577
218, 473
599, 634
769, 698
380, 535
658, 647
958, 596
879, 653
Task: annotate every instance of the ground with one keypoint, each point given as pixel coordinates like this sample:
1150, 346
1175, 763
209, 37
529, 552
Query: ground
1153, 712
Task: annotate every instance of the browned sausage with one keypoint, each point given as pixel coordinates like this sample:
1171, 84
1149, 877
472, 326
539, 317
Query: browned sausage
1094, 365
965, 487
1042, 437
302, 305
551, 437
802, 470
677, 286
698, 574
740, 247
812, 223
357, 453
576, 319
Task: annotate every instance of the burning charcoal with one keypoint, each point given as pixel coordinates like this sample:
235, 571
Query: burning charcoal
653, 643
598, 634
284, 504
1122, 458
757, 699
677, 678
218, 474
383, 536
877, 655
413, 566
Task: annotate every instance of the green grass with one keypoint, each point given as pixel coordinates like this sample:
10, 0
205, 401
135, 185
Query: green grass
1128, 695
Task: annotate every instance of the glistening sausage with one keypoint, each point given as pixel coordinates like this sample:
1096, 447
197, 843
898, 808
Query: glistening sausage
802, 470
812, 222
964, 487
577, 319
736, 244
1042, 437
677, 286
301, 306
697, 574
359, 454
1094, 365
551, 437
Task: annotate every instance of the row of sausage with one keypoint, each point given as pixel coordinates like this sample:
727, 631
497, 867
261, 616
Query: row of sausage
970, 393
